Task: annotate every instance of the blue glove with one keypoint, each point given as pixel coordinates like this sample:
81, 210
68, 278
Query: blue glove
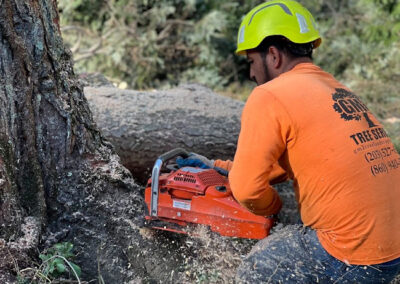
195, 160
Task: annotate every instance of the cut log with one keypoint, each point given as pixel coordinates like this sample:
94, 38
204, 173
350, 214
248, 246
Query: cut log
143, 125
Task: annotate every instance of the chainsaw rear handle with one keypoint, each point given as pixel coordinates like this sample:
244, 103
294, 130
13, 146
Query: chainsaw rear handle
156, 174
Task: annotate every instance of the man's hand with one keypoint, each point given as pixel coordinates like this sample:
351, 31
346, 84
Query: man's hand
195, 160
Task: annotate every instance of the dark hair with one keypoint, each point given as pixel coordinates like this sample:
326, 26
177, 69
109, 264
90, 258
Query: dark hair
283, 44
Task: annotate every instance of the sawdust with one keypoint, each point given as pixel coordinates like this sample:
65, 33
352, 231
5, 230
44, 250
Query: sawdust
30, 235
201, 256
206, 257
15, 254
211, 258
147, 233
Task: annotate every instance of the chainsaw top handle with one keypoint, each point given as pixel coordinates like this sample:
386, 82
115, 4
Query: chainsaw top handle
173, 153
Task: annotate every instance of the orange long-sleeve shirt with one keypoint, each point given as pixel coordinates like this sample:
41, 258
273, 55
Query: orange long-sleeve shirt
345, 169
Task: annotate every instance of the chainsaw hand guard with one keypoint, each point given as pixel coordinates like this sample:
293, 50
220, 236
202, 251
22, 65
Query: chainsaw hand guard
156, 174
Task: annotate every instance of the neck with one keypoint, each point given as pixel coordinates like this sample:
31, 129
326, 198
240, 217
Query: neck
290, 64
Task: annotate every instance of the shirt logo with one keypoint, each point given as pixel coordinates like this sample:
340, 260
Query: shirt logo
350, 107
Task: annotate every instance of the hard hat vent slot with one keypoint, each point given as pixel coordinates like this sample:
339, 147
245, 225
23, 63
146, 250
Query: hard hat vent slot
283, 6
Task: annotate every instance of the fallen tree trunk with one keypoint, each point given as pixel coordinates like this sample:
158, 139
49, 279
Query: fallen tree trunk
143, 125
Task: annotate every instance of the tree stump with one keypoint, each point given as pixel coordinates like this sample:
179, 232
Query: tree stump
60, 180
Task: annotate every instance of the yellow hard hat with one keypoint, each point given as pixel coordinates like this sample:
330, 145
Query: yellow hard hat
287, 18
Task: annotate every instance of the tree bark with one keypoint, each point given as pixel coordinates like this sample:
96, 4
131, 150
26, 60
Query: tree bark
142, 125
59, 179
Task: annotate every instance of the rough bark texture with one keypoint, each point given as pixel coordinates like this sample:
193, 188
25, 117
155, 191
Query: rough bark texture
143, 125
60, 181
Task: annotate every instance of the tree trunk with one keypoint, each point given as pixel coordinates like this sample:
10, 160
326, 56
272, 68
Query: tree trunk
59, 179
143, 125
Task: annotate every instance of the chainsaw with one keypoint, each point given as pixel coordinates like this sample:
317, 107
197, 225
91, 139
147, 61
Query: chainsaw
191, 195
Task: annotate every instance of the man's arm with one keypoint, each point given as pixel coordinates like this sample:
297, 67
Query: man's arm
277, 174
265, 130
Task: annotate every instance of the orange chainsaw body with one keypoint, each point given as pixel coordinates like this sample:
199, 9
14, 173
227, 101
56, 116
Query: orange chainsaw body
203, 196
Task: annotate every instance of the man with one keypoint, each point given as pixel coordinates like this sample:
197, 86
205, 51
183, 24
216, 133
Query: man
302, 124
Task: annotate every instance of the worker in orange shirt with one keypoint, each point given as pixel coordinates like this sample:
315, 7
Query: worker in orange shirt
300, 123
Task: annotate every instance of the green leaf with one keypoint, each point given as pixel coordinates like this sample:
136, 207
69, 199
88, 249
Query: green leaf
59, 246
60, 267
57, 261
50, 269
76, 268
44, 257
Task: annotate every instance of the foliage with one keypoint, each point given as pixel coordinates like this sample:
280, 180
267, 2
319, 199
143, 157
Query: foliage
361, 48
152, 44
155, 43
57, 261
57, 267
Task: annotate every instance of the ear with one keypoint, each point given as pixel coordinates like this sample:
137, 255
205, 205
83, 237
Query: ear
275, 57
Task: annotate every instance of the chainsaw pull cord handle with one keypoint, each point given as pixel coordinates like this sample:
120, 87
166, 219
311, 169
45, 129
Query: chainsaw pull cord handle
156, 174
